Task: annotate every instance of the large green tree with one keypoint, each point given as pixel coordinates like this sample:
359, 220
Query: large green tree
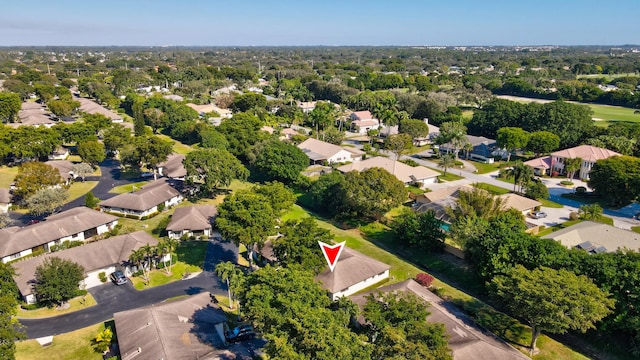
246, 218
616, 179
553, 301
279, 160
56, 280
414, 128
10, 328
242, 131
146, 151
115, 137
9, 106
298, 244
369, 193
511, 139
47, 200
33, 176
233, 276
280, 197
91, 152
397, 326
422, 230
293, 313
453, 133
213, 169
543, 142
248, 101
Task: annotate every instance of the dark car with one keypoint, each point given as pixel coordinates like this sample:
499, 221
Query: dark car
118, 278
240, 333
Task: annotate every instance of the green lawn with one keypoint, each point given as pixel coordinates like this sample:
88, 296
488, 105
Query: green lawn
75, 304
189, 259
70, 346
610, 114
128, 187
484, 168
550, 204
450, 176
495, 190
78, 189
608, 77
635, 229
7, 174
178, 147
379, 243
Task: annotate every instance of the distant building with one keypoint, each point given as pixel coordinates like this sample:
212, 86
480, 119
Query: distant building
363, 121
409, 175
92, 107
144, 202
320, 152
589, 155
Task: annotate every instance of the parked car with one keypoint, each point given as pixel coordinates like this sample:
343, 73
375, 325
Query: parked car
539, 214
240, 333
146, 175
118, 278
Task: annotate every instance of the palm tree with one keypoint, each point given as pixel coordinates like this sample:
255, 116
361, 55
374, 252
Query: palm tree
227, 271
571, 166
446, 161
522, 174
169, 245
591, 212
137, 258
468, 147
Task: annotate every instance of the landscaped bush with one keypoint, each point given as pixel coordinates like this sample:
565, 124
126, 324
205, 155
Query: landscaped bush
566, 183
573, 216
161, 207
458, 163
102, 276
424, 279
81, 292
30, 306
410, 162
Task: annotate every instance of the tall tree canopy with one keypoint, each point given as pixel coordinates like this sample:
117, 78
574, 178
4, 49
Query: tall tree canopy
33, 176
551, 300
9, 106
213, 169
56, 280
279, 160
617, 179
242, 131
512, 138
298, 245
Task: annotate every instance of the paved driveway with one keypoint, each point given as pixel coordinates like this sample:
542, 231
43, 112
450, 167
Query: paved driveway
112, 298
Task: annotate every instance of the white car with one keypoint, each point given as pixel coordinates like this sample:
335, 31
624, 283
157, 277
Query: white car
538, 214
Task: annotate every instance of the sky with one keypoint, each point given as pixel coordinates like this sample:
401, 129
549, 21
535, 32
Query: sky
327, 22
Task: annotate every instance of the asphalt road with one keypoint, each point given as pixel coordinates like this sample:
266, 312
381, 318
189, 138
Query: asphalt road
112, 298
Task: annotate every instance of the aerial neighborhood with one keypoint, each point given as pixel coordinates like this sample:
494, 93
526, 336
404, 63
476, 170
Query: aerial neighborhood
172, 202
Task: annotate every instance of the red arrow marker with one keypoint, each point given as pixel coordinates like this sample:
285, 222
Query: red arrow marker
331, 253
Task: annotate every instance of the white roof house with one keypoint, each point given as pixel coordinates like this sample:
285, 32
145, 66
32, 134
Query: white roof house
405, 173
320, 152
596, 237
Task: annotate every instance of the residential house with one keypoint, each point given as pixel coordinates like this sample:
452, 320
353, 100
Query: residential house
483, 149
64, 167
33, 114
353, 272
434, 131
288, 133
192, 221
541, 166
5, 200
186, 329
596, 237
61, 153
173, 167
202, 109
145, 202
105, 256
520, 203
77, 224
409, 175
92, 107
363, 121
467, 340
320, 152
306, 106
589, 155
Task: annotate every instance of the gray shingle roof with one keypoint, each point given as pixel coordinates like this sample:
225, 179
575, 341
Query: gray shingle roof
199, 217
92, 256
173, 167
70, 222
149, 196
5, 196
177, 330
352, 268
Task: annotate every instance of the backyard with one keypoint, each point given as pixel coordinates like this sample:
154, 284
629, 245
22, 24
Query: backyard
70, 346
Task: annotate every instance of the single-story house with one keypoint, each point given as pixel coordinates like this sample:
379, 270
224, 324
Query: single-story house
64, 167
187, 329
5, 200
363, 121
77, 224
143, 202
467, 340
61, 153
33, 114
173, 167
409, 175
192, 221
541, 166
320, 152
353, 272
589, 155
520, 203
202, 109
596, 237
288, 133
434, 131
105, 256
91, 107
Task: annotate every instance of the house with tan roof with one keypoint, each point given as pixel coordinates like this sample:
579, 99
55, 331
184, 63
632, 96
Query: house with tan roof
589, 155
5, 200
363, 121
77, 224
60, 153
186, 329
320, 152
105, 256
306, 106
596, 237
64, 167
33, 114
173, 167
196, 221
541, 166
353, 272
144, 202
466, 339
520, 203
91, 107
409, 175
